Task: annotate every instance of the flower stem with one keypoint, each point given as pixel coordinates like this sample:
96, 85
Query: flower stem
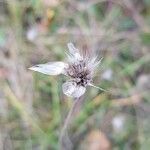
64, 141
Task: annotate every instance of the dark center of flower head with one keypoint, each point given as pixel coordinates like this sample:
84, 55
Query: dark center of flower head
80, 73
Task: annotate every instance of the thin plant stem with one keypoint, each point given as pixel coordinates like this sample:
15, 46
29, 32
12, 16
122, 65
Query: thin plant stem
67, 121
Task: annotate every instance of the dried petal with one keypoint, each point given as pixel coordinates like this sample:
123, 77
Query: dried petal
72, 49
51, 68
71, 89
74, 53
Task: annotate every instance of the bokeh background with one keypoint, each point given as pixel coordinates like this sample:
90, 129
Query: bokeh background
32, 105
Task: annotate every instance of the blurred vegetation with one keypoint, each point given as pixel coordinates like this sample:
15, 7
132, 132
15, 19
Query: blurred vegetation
33, 107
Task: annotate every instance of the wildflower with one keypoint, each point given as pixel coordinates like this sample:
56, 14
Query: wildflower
79, 68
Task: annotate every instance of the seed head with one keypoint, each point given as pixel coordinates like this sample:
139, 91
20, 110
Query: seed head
79, 68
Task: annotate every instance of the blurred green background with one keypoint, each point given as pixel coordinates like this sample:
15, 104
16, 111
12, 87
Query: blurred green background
32, 105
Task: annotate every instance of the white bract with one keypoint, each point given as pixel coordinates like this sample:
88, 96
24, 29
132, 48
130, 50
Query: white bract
51, 68
79, 69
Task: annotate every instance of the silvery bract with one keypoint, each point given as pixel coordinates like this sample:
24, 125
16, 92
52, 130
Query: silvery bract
79, 68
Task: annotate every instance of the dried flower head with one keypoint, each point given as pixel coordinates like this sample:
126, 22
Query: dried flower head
79, 68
